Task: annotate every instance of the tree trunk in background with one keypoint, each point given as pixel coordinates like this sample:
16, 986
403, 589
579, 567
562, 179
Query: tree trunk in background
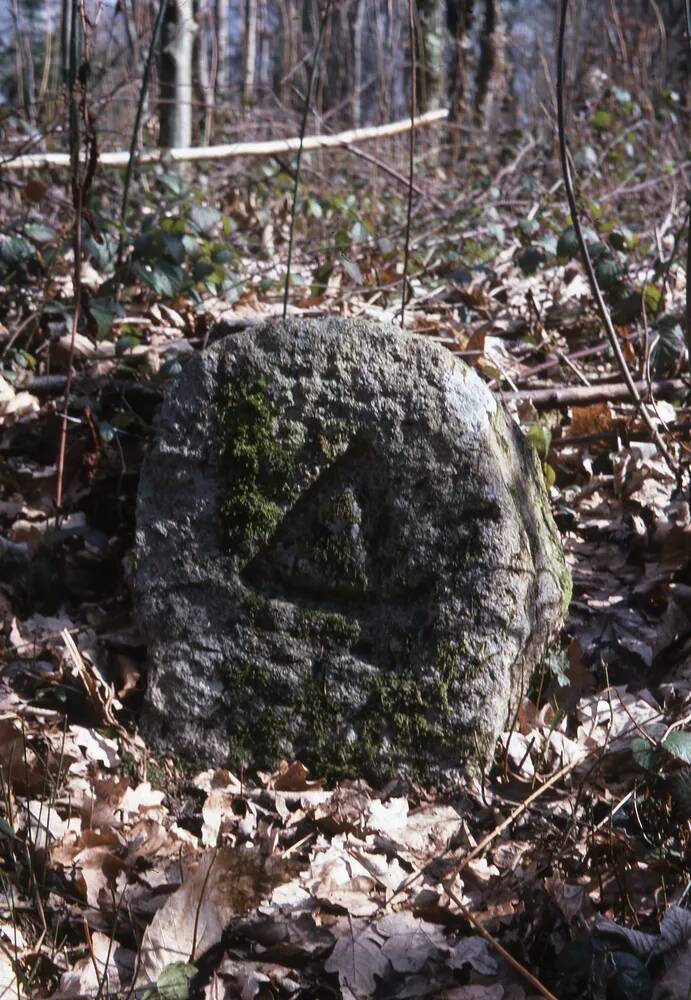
223, 44
250, 47
177, 41
459, 19
678, 49
430, 48
358, 81
490, 70
206, 61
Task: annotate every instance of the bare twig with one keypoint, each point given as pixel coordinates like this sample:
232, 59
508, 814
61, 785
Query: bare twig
137, 125
592, 280
303, 126
81, 178
411, 156
506, 955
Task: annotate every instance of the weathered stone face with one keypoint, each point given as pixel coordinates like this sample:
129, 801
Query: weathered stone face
345, 555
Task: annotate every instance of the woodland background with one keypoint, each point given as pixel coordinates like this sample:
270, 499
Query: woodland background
565, 871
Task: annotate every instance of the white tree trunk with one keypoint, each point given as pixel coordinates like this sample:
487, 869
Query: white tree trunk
177, 39
250, 51
223, 41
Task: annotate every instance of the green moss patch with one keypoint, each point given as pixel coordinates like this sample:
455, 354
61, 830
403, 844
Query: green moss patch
410, 714
255, 466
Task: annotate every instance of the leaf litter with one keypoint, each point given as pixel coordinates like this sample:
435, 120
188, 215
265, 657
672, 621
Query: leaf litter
124, 875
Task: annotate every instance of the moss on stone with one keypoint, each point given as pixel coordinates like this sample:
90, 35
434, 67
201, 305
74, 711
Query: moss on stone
448, 664
254, 465
401, 710
260, 730
336, 549
327, 627
333, 439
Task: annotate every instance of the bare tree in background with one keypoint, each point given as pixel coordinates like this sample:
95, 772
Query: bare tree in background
175, 69
490, 70
429, 83
250, 48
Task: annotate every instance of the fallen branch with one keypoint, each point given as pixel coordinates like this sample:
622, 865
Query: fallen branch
583, 395
270, 147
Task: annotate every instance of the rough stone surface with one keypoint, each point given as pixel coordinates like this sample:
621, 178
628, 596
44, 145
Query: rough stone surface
345, 555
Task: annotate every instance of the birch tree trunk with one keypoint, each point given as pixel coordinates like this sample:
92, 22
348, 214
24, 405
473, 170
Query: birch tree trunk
177, 42
223, 43
357, 63
251, 12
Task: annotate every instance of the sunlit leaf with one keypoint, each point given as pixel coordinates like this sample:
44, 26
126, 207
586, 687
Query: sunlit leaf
352, 270
39, 232
204, 218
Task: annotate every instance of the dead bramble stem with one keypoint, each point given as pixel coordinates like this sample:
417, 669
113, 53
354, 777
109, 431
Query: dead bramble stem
585, 255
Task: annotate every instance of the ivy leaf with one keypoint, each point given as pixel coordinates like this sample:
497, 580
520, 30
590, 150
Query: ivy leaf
173, 247
15, 250
567, 244
627, 307
342, 240
125, 343
631, 980
106, 431
558, 665
678, 744
669, 347
165, 277
204, 218
644, 753
103, 312
680, 787
528, 227
607, 272
315, 209
359, 232
173, 983
6, 830
39, 233
352, 270
618, 241
529, 259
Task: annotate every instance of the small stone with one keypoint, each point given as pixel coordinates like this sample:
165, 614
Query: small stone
345, 556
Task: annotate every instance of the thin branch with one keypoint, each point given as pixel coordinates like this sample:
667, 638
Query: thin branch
131, 160
301, 146
592, 280
584, 395
411, 155
81, 181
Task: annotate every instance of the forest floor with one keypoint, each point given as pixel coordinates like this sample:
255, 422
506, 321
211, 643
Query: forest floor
565, 871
